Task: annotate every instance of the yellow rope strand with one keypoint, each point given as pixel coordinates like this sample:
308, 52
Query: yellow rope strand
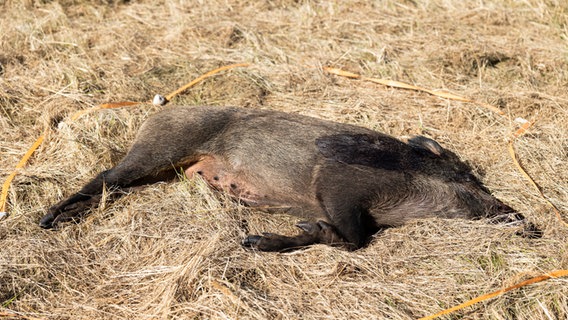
402, 85
80, 113
206, 75
11, 315
513, 155
20, 165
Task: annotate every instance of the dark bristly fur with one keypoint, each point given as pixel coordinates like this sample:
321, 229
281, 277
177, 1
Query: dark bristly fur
347, 180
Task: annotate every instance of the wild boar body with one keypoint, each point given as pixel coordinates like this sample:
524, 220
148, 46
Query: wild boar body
348, 180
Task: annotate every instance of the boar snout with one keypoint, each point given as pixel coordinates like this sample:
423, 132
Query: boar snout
500, 213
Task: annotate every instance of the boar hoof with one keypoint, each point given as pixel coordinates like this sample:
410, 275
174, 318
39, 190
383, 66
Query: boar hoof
46, 221
530, 231
277, 243
251, 241
307, 226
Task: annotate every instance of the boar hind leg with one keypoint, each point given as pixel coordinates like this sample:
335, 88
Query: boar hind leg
312, 233
127, 174
348, 227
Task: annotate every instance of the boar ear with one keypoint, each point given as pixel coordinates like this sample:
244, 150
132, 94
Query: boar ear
426, 144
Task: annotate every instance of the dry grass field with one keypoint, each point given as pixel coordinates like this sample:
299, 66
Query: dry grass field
172, 251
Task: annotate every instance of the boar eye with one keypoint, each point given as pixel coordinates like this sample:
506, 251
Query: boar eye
470, 178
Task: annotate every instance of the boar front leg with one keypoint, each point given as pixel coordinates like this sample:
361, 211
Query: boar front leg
349, 227
131, 172
88, 197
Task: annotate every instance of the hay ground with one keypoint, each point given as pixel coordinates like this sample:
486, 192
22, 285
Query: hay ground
172, 250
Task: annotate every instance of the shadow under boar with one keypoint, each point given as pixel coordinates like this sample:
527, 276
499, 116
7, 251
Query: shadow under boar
347, 181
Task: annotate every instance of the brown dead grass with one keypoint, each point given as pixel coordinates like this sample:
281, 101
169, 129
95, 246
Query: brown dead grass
172, 251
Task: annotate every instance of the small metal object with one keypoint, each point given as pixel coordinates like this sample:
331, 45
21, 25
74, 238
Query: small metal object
159, 100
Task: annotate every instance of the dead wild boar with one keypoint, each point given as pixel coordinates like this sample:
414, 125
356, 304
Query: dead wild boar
347, 181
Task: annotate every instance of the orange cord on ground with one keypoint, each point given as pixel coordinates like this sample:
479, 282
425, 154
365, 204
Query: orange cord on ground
552, 274
80, 113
